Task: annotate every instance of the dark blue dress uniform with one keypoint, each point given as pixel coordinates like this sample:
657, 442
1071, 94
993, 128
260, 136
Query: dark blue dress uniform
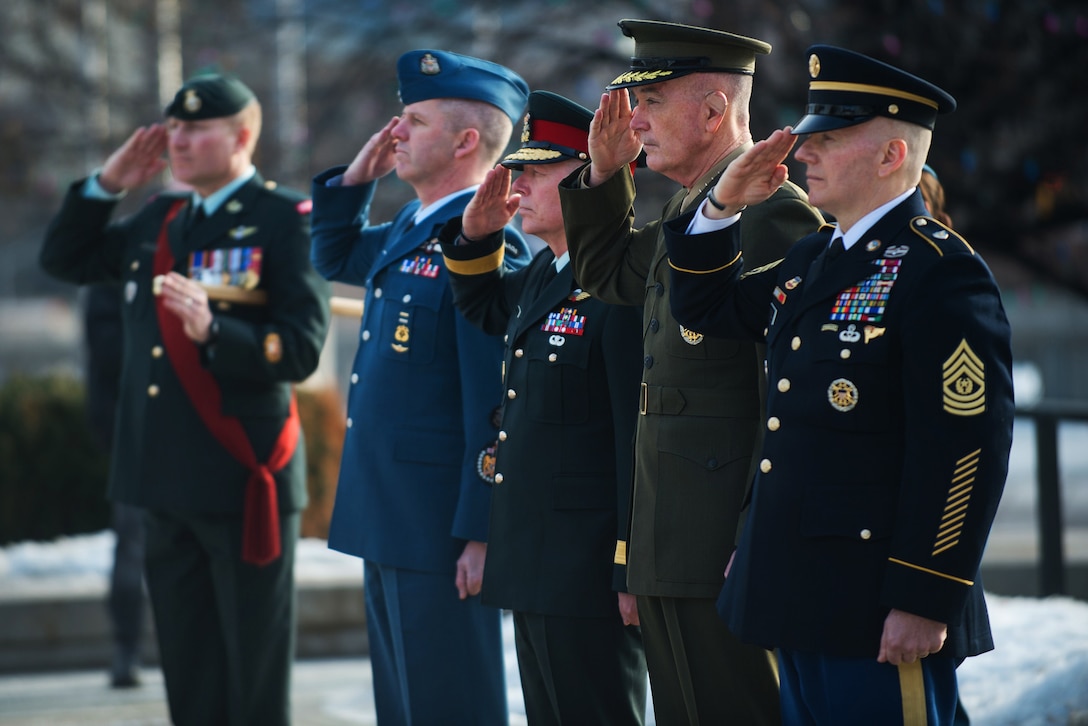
425, 385
889, 417
563, 472
225, 628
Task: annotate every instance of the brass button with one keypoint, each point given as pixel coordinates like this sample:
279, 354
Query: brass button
796, 342
844, 353
502, 436
519, 352
156, 352
866, 534
152, 390
765, 466
498, 478
773, 423
783, 384
135, 265
553, 358
511, 394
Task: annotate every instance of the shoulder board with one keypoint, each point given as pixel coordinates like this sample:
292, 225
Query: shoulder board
941, 238
301, 202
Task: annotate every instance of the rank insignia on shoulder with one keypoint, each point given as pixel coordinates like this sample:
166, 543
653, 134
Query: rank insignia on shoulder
964, 382
485, 463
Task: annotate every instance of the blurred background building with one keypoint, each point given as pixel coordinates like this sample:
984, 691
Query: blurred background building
76, 76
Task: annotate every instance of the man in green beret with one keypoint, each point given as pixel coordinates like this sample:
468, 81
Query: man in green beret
700, 396
222, 313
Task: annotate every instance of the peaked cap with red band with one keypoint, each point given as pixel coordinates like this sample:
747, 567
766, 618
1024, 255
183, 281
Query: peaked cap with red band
555, 129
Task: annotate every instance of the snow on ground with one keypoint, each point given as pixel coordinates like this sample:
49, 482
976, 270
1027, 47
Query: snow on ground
1037, 676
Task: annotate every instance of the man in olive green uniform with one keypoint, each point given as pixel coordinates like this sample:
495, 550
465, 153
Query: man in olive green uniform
208, 439
700, 397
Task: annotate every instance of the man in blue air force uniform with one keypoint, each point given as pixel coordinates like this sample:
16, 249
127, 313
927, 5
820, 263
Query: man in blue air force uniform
889, 413
425, 388
563, 472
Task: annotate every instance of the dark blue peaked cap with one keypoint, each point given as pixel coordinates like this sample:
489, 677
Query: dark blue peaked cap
848, 88
427, 74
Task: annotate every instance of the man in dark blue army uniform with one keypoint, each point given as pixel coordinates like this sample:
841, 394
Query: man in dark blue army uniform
208, 439
562, 481
700, 402
890, 411
425, 389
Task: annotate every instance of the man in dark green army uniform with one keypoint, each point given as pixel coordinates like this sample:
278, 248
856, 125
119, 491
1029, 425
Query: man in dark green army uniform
700, 397
222, 311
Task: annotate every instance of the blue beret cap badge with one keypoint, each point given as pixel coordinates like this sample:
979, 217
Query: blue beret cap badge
428, 65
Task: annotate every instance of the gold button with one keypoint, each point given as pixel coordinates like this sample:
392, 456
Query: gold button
156, 352
866, 534
502, 436
796, 342
511, 394
765, 466
152, 390
498, 478
844, 353
784, 385
519, 352
773, 423
553, 358
135, 265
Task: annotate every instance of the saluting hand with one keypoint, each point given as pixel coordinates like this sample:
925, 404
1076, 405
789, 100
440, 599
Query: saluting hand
491, 207
375, 159
137, 161
612, 143
755, 175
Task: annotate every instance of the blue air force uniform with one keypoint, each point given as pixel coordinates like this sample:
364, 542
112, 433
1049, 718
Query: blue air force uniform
425, 387
888, 428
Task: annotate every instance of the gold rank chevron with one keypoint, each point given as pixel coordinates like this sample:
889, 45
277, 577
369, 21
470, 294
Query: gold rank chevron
955, 508
964, 382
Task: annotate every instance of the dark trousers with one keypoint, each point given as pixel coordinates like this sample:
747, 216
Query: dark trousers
126, 596
580, 670
436, 660
226, 629
700, 673
820, 690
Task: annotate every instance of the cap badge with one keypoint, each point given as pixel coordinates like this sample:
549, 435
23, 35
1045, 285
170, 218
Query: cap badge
192, 102
842, 395
428, 65
814, 65
525, 130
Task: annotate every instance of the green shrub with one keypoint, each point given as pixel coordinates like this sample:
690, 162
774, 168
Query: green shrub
52, 475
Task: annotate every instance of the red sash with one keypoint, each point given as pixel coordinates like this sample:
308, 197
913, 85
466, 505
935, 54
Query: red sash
261, 522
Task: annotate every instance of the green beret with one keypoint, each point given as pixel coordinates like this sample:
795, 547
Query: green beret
209, 96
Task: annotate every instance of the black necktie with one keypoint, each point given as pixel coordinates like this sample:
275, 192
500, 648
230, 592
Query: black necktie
196, 216
824, 260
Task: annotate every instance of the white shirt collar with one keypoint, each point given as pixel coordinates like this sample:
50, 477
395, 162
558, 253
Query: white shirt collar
424, 212
863, 225
214, 200
561, 261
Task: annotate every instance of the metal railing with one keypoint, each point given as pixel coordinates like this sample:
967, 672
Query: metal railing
1047, 415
